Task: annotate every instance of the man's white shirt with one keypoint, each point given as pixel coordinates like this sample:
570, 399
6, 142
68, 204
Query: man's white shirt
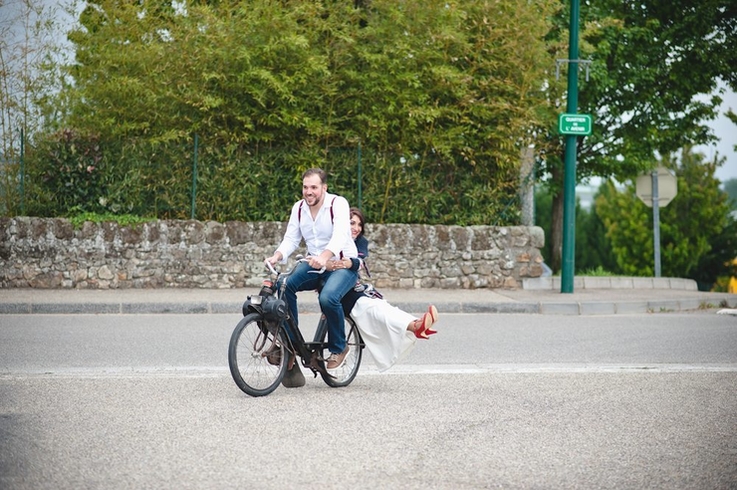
328, 231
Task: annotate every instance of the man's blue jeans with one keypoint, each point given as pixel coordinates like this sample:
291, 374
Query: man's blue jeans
334, 285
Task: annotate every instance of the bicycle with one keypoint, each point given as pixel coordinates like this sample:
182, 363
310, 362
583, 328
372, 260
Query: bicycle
267, 339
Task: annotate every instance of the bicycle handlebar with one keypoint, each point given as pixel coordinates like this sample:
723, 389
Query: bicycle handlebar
300, 258
270, 267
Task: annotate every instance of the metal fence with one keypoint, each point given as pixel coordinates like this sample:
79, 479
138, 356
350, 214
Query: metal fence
196, 180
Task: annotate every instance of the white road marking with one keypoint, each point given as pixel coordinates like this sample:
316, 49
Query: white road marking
371, 370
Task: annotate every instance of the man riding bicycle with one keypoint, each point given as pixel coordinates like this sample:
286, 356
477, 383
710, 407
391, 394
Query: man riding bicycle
322, 220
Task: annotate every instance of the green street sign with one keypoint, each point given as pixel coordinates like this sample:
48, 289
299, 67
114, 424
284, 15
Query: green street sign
576, 124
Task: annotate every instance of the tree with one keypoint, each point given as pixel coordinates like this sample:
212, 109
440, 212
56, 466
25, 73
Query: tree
443, 94
29, 61
730, 187
717, 263
688, 225
594, 250
649, 60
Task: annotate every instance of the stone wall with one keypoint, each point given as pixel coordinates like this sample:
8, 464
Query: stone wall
51, 253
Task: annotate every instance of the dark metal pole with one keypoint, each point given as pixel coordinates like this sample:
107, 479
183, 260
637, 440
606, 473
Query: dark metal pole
360, 197
569, 183
656, 221
22, 173
194, 176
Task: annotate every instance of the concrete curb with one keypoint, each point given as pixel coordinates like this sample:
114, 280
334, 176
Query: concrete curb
588, 308
593, 282
592, 296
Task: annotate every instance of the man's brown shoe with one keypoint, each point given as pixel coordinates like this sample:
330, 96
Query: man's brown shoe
294, 377
336, 360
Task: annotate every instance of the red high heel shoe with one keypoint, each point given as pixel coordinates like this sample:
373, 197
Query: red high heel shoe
433, 312
424, 330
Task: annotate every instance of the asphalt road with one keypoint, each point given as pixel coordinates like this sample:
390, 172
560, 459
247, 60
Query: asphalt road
492, 401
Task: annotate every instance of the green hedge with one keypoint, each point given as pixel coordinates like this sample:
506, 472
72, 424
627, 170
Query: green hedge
70, 173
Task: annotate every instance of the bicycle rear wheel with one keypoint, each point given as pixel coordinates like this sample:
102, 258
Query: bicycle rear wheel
257, 355
343, 375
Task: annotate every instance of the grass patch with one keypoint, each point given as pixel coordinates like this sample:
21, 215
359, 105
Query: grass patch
597, 272
79, 219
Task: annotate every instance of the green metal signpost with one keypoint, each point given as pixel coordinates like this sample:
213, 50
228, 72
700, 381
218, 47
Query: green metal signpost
569, 121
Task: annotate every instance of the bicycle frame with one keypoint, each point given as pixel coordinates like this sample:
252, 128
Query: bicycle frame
267, 340
273, 308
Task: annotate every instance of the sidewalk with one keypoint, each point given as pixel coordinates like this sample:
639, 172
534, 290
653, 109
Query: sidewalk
591, 296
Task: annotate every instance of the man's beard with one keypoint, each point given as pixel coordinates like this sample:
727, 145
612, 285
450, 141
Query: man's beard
312, 200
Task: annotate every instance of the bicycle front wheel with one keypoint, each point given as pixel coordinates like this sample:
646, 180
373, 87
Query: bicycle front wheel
257, 355
344, 374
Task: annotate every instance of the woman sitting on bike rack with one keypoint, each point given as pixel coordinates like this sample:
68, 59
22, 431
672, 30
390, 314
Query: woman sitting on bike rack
388, 332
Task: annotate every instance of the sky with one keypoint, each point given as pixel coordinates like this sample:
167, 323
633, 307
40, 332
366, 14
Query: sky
726, 131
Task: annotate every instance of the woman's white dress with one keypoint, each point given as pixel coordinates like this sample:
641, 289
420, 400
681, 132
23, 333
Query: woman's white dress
384, 330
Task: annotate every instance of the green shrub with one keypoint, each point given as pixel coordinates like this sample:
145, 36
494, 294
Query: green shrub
80, 218
65, 171
596, 272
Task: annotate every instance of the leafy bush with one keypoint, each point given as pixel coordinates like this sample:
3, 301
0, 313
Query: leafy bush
246, 183
596, 272
79, 219
696, 237
65, 172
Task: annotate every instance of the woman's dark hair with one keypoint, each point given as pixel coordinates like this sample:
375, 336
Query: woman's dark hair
357, 212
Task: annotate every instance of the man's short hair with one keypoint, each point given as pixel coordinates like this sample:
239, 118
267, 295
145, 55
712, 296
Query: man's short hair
316, 171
